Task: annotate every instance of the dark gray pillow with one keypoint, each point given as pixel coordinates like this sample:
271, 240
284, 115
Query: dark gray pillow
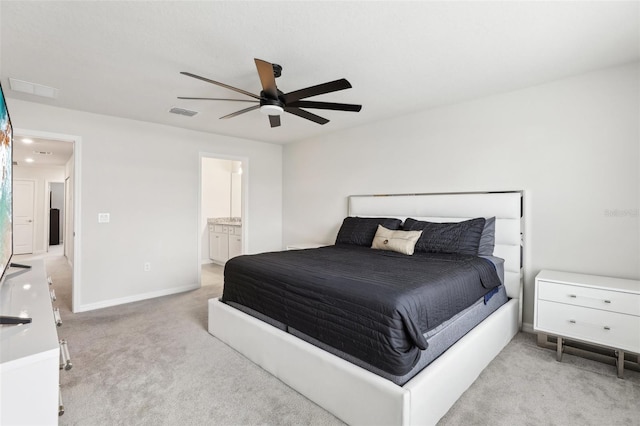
488, 238
453, 237
361, 230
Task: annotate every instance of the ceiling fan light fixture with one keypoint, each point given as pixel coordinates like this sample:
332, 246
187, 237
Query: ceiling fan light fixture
271, 109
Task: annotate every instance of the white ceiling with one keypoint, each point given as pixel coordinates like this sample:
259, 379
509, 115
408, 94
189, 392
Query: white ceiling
42, 152
124, 58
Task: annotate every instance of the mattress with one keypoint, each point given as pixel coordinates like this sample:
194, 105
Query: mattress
375, 306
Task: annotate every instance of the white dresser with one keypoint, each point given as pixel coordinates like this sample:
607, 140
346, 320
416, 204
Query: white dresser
593, 309
29, 353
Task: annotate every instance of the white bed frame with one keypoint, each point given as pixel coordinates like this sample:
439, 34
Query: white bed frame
358, 396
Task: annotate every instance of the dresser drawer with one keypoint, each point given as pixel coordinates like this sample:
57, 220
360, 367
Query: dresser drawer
591, 325
608, 300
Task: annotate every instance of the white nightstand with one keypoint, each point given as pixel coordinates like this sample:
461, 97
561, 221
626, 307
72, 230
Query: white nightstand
302, 246
597, 310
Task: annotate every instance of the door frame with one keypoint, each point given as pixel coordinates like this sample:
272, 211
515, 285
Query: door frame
244, 201
67, 225
76, 272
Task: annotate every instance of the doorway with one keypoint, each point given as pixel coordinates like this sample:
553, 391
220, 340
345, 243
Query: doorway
222, 214
56, 216
51, 161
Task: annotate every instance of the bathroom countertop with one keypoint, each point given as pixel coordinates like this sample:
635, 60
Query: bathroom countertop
227, 223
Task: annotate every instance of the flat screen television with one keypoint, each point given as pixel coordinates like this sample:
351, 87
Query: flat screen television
6, 201
6, 187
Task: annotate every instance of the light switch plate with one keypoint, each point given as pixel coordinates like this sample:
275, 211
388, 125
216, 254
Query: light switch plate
103, 218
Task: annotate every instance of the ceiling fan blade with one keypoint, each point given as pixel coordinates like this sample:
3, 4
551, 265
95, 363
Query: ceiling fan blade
274, 120
306, 114
325, 105
218, 99
242, 111
226, 86
320, 89
267, 78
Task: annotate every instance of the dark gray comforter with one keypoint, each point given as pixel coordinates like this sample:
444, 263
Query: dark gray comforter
375, 305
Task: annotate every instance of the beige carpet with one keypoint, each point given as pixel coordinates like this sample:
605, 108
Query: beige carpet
154, 363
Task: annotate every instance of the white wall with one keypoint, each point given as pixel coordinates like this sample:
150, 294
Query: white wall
216, 187
147, 177
236, 189
41, 176
215, 197
572, 145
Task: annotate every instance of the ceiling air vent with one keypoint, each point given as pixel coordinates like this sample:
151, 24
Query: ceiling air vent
182, 111
33, 88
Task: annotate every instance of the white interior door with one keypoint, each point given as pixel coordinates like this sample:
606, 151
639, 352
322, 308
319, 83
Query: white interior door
23, 214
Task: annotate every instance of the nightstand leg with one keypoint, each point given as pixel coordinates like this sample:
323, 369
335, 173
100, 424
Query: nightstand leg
620, 364
542, 340
559, 349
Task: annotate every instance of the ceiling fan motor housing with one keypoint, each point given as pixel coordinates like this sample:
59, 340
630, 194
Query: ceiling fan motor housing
266, 100
270, 106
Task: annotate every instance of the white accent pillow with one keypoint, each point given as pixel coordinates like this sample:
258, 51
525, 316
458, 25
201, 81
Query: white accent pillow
398, 241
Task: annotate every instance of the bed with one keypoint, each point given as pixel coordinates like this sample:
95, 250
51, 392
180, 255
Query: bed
356, 393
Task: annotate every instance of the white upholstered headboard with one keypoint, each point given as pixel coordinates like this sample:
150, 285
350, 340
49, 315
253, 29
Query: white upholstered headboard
455, 207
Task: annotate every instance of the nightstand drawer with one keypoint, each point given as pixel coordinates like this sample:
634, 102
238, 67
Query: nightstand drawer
590, 325
589, 297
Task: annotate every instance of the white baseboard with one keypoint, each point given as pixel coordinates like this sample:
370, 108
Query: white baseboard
527, 327
135, 298
205, 261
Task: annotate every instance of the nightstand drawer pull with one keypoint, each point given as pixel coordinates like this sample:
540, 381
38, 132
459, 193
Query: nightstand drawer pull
574, 296
606, 327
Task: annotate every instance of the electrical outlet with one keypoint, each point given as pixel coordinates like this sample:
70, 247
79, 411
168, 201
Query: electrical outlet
147, 266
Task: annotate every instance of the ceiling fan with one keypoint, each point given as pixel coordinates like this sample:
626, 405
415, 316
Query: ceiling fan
273, 102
